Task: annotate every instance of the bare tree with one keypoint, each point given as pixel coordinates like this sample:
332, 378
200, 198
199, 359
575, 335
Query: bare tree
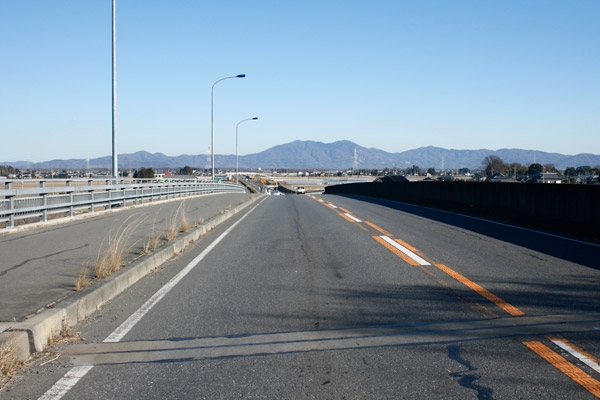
493, 164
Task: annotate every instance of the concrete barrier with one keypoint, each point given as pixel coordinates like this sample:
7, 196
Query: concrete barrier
572, 210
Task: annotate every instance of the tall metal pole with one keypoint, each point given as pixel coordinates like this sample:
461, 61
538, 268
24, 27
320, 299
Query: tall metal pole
212, 121
237, 181
115, 169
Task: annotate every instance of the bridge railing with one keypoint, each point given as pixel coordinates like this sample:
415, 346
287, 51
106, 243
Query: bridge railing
35, 200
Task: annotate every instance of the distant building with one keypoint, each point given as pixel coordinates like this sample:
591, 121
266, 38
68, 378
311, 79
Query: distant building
547, 177
497, 177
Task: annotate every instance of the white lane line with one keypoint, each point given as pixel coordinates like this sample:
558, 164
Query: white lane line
60, 388
405, 251
65, 383
352, 217
126, 326
332, 205
590, 363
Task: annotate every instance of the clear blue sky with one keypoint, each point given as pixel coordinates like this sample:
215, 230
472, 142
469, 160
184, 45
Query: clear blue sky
394, 75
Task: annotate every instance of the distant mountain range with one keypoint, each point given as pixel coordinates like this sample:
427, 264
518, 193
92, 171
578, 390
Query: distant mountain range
338, 155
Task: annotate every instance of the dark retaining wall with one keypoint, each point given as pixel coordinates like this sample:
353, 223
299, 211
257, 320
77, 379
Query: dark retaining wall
572, 210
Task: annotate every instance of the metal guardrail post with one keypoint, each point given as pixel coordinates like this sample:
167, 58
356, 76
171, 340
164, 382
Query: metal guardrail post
70, 213
11, 218
44, 217
91, 192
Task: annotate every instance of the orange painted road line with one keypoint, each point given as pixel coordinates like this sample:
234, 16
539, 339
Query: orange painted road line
473, 304
408, 246
512, 310
396, 251
372, 225
572, 371
344, 210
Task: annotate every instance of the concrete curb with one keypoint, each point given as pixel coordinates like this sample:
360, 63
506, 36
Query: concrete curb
32, 335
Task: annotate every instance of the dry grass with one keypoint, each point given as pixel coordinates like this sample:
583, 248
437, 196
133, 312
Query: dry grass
82, 281
185, 225
8, 360
145, 248
177, 223
66, 335
152, 242
172, 231
111, 259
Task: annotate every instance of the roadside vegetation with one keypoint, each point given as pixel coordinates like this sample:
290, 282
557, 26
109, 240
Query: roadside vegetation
8, 360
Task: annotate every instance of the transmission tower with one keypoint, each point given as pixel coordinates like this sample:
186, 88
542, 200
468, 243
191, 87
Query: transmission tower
355, 163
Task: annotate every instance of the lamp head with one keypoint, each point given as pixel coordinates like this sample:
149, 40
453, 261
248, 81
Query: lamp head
255, 118
241, 76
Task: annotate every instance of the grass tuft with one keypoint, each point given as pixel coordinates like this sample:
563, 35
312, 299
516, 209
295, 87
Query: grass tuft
8, 359
82, 280
110, 259
178, 222
66, 335
185, 225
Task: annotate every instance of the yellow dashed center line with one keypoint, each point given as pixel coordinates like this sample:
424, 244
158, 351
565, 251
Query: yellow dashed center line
372, 225
414, 257
572, 371
512, 310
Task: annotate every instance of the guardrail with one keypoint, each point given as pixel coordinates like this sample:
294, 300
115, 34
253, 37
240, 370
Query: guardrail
30, 199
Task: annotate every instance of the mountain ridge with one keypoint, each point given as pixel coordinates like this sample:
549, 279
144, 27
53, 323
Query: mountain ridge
308, 154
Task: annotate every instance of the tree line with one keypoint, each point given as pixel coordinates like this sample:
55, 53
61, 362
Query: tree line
493, 164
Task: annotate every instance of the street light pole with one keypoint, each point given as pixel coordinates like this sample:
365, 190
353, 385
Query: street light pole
115, 169
236, 148
212, 120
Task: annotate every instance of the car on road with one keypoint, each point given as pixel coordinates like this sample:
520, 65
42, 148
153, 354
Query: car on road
300, 190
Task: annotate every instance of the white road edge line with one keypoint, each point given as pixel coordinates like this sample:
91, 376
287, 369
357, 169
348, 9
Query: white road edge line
405, 251
67, 382
352, 217
593, 365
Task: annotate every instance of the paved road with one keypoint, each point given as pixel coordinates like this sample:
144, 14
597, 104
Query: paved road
334, 297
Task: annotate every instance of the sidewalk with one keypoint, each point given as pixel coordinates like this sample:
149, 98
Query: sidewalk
39, 266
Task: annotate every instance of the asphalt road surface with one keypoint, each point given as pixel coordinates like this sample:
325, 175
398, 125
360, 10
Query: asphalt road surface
332, 297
